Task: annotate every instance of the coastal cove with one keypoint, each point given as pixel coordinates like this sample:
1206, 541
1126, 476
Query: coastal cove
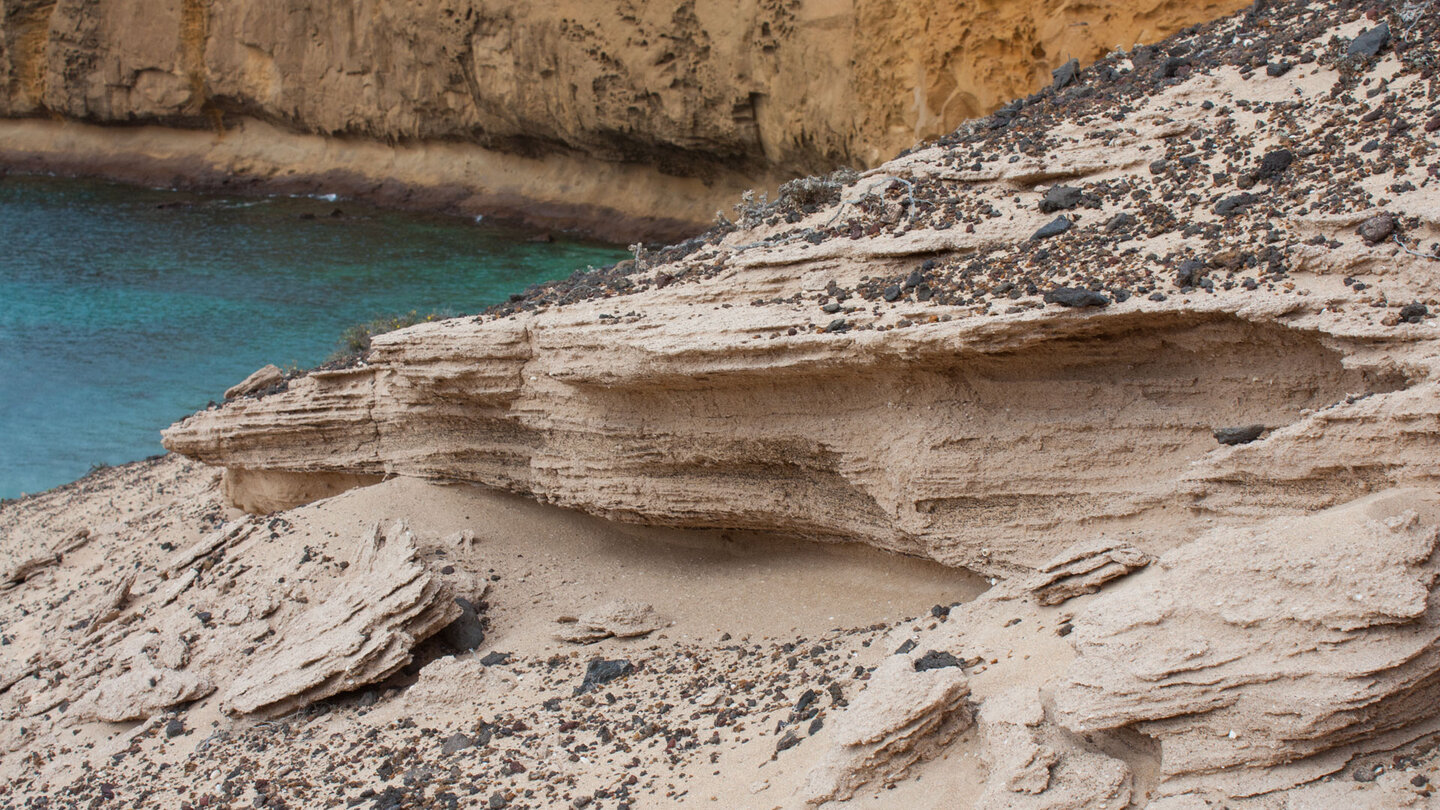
124, 309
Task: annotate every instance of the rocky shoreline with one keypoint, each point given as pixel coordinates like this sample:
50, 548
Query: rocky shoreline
616, 202
624, 123
1130, 388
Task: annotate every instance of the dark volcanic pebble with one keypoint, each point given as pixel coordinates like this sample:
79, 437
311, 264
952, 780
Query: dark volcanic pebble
1414, 313
1056, 227
466, 632
1274, 163
456, 742
1376, 229
1369, 43
1191, 271
600, 672
1119, 222
1239, 435
1076, 297
936, 660
1278, 69
1065, 74
494, 659
1234, 204
1060, 198
175, 727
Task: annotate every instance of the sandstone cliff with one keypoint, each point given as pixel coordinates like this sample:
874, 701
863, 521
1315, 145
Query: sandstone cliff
731, 95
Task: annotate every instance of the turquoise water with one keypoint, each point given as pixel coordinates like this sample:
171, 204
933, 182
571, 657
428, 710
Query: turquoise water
122, 310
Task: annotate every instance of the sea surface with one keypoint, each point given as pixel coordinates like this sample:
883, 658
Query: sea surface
122, 310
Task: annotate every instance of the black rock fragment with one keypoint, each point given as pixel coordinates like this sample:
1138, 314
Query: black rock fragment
790, 740
1414, 312
1235, 204
1119, 222
1370, 42
1060, 198
936, 660
600, 672
456, 742
808, 697
466, 632
1376, 229
1191, 271
1056, 227
492, 659
1274, 163
1076, 297
1239, 435
1065, 74
1277, 69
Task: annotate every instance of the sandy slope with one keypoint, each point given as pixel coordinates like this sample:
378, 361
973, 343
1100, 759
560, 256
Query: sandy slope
730, 604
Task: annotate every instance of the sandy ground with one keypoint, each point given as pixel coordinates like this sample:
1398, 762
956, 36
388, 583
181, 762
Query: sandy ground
751, 625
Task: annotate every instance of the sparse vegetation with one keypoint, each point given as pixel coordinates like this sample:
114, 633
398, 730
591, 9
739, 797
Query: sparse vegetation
355, 341
804, 195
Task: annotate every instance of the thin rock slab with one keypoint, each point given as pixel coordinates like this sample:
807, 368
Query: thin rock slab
362, 632
260, 380
143, 692
1084, 568
620, 619
904, 715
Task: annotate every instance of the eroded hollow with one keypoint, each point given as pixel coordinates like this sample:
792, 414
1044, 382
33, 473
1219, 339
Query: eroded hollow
1004, 452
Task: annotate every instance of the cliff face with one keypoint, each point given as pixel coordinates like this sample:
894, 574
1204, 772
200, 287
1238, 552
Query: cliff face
714, 90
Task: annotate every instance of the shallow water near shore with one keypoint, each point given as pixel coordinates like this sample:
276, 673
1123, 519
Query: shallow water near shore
124, 309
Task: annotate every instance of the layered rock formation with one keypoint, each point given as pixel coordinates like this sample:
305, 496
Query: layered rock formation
1166, 333
732, 96
1155, 351
877, 362
1208, 654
